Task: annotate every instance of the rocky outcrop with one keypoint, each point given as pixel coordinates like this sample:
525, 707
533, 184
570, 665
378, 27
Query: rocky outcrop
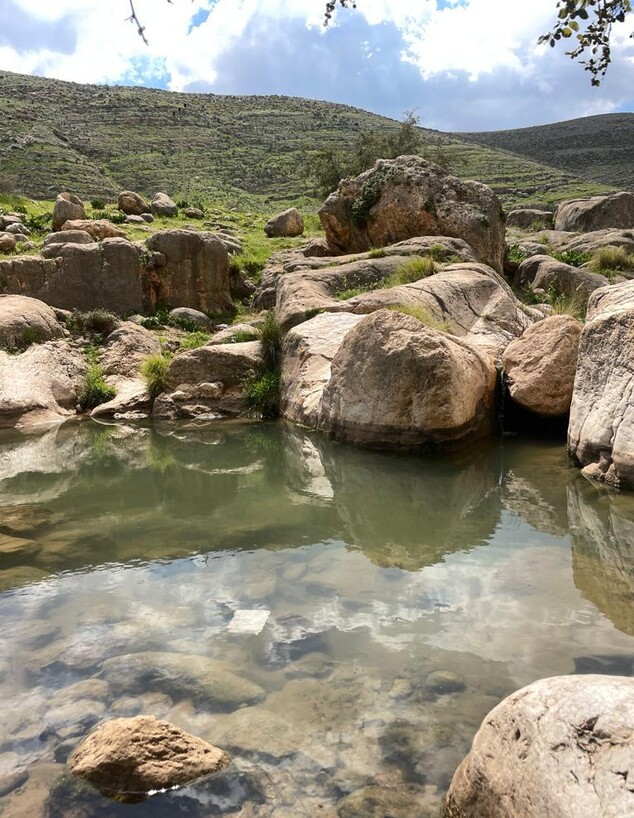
590, 242
196, 270
306, 358
559, 747
544, 273
141, 754
289, 223
162, 205
40, 385
132, 204
409, 196
601, 429
530, 219
99, 229
540, 365
397, 383
53, 241
596, 213
24, 321
67, 207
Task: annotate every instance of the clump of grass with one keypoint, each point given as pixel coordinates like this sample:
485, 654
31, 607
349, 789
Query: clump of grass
270, 334
611, 260
195, 339
94, 322
98, 204
412, 270
422, 314
154, 372
28, 337
515, 254
262, 394
94, 389
439, 253
241, 336
575, 258
562, 304
377, 252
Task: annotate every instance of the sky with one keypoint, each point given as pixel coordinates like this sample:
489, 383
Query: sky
460, 65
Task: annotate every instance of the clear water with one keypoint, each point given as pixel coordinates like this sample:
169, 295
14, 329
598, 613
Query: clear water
402, 599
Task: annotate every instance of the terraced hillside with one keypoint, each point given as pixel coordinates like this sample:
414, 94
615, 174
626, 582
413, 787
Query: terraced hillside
598, 148
251, 151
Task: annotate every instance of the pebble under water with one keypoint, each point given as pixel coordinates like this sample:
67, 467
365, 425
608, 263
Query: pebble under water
339, 620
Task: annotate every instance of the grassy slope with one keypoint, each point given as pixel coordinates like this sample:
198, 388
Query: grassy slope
598, 148
243, 152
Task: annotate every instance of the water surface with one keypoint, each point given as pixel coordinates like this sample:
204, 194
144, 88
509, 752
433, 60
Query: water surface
399, 599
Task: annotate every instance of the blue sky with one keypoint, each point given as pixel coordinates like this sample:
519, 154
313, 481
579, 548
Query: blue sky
460, 64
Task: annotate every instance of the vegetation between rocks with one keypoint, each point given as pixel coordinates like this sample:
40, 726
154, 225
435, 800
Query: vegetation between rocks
154, 373
94, 390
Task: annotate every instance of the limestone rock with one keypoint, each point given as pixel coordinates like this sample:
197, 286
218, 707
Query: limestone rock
141, 754
540, 365
530, 219
409, 196
67, 207
560, 747
601, 429
162, 205
286, 224
99, 229
306, 358
196, 270
229, 364
596, 213
24, 321
591, 242
51, 243
7, 243
192, 316
544, 273
132, 204
317, 248
398, 383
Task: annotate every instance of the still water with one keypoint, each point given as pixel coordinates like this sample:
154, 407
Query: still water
339, 620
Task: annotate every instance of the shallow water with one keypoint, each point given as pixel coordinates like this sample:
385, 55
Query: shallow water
399, 600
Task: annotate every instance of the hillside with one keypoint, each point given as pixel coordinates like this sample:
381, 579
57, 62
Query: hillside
96, 140
597, 148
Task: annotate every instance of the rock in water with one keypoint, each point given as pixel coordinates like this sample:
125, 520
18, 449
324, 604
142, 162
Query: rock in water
142, 754
409, 196
559, 748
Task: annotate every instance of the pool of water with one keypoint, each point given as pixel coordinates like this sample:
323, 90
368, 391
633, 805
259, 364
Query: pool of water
339, 620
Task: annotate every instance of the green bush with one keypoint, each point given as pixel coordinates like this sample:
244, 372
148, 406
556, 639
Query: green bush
98, 204
195, 339
610, 260
262, 394
117, 218
94, 322
94, 389
515, 254
270, 334
154, 372
574, 258
412, 270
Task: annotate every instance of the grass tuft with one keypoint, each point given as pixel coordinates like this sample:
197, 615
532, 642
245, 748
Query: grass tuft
609, 261
154, 371
94, 390
422, 314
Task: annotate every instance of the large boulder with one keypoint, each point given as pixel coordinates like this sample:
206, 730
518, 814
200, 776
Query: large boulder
409, 196
596, 213
560, 747
162, 205
67, 207
132, 204
601, 429
7, 243
530, 219
544, 273
99, 229
229, 364
307, 354
24, 321
540, 365
286, 224
196, 270
141, 754
400, 384
52, 242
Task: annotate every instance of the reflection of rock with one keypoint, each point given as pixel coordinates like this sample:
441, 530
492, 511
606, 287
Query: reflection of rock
397, 802
602, 533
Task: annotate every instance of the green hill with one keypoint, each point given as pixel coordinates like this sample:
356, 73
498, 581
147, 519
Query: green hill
243, 151
597, 148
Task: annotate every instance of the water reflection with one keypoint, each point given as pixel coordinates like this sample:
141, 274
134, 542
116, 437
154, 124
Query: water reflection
404, 598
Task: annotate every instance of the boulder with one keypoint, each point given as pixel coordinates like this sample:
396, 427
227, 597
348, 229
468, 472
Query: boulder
540, 365
196, 270
99, 229
400, 384
132, 204
560, 747
236, 333
307, 354
7, 243
141, 754
194, 213
68, 207
596, 213
601, 428
317, 248
51, 243
545, 273
530, 219
289, 223
18, 230
229, 364
192, 317
40, 385
590, 242
24, 321
162, 205
409, 196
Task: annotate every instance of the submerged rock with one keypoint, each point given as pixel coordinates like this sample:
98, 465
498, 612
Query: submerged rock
142, 754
